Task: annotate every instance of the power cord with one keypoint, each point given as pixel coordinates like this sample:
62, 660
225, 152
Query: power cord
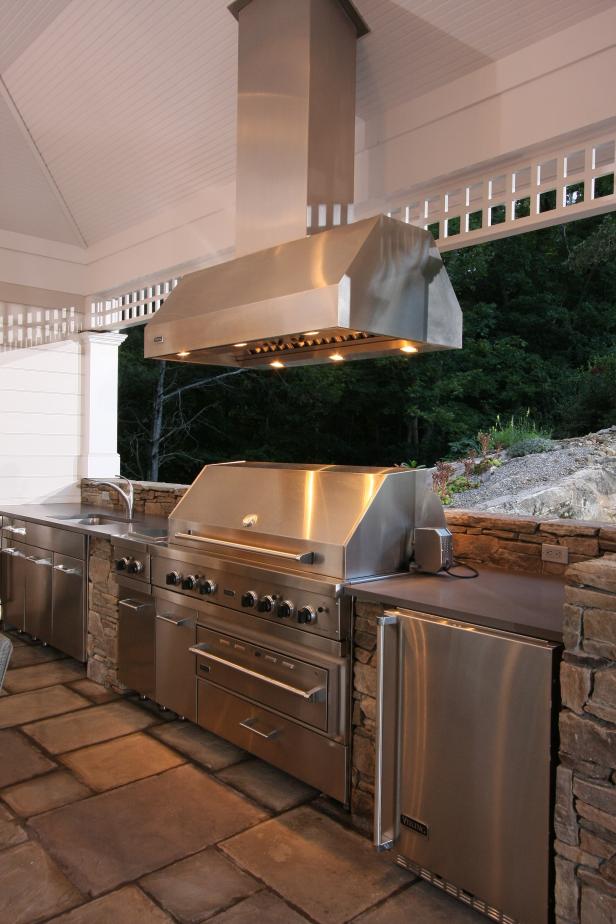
458, 564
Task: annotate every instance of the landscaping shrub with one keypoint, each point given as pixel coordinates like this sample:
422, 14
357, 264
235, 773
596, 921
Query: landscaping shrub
527, 447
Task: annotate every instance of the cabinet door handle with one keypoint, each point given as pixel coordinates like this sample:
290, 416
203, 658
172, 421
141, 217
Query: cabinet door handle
386, 759
134, 604
174, 622
64, 570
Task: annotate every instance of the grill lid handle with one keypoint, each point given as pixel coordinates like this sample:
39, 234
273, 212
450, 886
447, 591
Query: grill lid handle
306, 558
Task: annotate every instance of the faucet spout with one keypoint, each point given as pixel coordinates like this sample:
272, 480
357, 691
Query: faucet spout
128, 495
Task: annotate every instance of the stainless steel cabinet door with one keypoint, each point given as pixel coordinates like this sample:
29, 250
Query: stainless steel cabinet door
69, 606
473, 756
176, 681
13, 585
137, 644
37, 593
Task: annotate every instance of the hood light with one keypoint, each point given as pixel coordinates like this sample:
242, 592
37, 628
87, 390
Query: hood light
408, 349
276, 364
336, 357
311, 333
184, 353
240, 345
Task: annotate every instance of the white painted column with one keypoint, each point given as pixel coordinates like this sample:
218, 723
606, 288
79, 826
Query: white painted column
99, 441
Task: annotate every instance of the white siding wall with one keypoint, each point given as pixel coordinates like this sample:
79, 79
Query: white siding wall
41, 395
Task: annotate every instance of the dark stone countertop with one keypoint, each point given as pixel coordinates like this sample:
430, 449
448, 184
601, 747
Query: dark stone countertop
526, 604
141, 528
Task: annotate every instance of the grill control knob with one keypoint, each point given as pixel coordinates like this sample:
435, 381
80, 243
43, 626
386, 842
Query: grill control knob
207, 587
173, 578
134, 566
249, 598
266, 604
286, 609
121, 564
306, 614
189, 582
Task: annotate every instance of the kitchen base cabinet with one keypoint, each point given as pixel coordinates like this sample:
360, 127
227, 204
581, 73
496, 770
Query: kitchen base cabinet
68, 608
37, 593
137, 644
13, 585
176, 683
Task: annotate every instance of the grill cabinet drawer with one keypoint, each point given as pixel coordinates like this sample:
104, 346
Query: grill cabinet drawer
311, 757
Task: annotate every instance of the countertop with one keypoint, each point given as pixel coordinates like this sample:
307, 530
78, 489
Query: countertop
57, 514
523, 603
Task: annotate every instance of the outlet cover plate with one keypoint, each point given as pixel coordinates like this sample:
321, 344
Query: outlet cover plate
557, 553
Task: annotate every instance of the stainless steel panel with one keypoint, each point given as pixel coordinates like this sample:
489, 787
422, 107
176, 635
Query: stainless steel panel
38, 579
295, 137
69, 588
232, 579
311, 757
475, 717
356, 522
377, 278
13, 585
294, 687
54, 539
137, 644
176, 633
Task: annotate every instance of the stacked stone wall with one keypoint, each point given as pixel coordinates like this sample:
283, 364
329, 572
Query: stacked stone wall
151, 498
102, 637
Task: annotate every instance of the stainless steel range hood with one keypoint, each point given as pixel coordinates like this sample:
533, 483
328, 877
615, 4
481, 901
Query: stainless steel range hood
305, 286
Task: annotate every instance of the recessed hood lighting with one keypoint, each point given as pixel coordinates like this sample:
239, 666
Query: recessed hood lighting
336, 357
239, 345
276, 364
408, 348
184, 353
311, 333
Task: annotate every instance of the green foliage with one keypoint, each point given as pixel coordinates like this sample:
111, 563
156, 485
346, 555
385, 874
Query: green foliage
467, 446
520, 428
461, 483
539, 335
530, 445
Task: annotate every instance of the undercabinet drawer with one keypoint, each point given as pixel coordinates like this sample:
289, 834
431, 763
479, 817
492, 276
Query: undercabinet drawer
305, 754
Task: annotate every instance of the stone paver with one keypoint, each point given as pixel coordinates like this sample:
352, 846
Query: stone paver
19, 758
421, 904
44, 793
31, 886
43, 675
265, 907
126, 906
121, 760
351, 875
268, 785
39, 704
204, 748
197, 887
24, 655
99, 723
128, 832
11, 832
95, 692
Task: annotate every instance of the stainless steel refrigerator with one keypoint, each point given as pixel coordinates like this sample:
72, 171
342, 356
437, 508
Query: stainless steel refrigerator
464, 769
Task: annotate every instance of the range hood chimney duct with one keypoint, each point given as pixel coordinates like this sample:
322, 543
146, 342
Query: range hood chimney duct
307, 284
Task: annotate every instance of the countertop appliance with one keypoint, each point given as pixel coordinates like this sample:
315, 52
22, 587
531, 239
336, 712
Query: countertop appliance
257, 557
307, 284
464, 746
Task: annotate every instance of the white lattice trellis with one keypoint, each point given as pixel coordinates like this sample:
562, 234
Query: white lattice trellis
27, 326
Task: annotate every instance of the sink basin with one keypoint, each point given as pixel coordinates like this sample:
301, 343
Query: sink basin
93, 519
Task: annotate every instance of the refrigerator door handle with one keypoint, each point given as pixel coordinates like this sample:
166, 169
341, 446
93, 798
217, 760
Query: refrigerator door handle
386, 777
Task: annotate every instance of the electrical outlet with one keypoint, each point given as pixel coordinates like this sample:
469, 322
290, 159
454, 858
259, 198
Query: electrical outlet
558, 553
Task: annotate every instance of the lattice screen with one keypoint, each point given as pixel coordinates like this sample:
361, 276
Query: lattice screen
25, 326
130, 308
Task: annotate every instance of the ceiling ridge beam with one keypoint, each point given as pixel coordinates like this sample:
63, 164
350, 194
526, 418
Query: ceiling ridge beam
21, 122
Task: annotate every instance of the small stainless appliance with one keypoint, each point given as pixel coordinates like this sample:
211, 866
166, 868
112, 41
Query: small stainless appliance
432, 549
464, 746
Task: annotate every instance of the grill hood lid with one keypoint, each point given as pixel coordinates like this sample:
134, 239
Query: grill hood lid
305, 285
370, 288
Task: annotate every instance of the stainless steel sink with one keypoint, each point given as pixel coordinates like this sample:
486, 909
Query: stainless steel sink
92, 519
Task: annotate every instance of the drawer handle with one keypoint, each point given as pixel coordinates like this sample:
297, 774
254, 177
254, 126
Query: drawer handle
305, 694
250, 724
65, 570
133, 605
174, 622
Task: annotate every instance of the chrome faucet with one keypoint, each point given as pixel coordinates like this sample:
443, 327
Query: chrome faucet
128, 495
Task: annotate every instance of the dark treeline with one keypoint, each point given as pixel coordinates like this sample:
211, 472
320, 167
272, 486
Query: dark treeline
539, 337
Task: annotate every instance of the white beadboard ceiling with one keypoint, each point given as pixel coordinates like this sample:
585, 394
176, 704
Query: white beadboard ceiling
130, 104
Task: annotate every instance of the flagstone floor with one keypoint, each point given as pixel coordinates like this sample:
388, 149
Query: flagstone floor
113, 812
